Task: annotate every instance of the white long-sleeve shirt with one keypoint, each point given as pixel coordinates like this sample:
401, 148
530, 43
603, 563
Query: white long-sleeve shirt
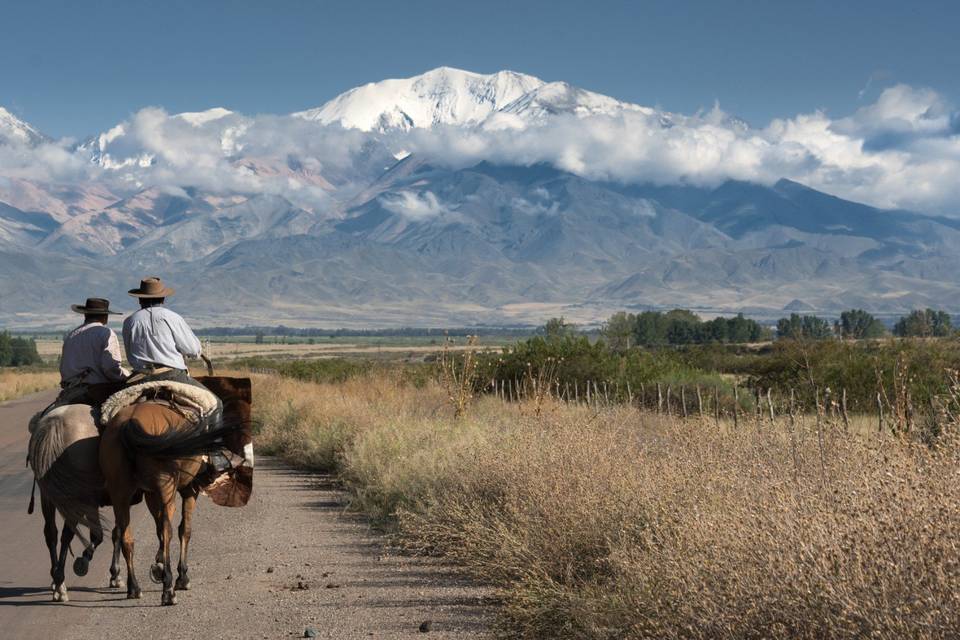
93, 347
159, 337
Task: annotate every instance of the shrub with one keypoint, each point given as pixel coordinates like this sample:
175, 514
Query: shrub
619, 524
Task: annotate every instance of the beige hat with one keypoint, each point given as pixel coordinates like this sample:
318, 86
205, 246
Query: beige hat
151, 288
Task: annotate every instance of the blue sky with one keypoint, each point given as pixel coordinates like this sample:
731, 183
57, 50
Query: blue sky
73, 68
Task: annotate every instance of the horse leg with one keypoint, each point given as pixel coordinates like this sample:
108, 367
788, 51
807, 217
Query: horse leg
115, 581
169, 596
121, 513
50, 536
82, 564
154, 503
186, 519
60, 589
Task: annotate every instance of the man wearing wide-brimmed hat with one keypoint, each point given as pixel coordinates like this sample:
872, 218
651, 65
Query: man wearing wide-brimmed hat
90, 361
156, 338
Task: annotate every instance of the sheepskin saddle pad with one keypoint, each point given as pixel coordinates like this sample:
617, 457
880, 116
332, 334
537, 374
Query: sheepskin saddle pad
188, 398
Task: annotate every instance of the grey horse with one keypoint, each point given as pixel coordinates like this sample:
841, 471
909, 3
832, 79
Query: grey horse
63, 454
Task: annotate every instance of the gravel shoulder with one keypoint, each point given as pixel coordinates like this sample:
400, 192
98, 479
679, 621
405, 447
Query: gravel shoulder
293, 558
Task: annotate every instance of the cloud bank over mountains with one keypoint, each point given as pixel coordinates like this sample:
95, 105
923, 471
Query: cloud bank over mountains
455, 198
901, 151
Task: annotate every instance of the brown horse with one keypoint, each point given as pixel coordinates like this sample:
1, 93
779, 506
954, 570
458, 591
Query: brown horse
151, 447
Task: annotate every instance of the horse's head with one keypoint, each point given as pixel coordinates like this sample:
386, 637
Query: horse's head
235, 486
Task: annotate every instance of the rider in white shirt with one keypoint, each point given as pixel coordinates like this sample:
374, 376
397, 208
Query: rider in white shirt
90, 363
156, 337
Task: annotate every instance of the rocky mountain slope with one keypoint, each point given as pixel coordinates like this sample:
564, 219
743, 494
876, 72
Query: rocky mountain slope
336, 224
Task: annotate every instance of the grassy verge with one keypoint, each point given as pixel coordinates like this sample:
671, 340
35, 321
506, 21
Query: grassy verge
15, 383
620, 524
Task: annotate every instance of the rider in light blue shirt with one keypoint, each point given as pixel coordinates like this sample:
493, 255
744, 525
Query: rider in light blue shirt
155, 337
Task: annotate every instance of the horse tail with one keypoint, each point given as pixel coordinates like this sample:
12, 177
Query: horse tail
74, 491
188, 440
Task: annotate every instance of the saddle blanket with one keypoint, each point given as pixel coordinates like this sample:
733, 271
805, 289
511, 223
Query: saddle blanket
188, 397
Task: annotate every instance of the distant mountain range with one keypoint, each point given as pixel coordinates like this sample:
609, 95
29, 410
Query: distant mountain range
376, 236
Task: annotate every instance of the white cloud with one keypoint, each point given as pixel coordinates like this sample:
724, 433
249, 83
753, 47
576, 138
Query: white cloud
415, 206
903, 150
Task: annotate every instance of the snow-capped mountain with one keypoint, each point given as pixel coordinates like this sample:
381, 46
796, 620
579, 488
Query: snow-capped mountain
318, 218
556, 98
441, 96
13, 130
114, 148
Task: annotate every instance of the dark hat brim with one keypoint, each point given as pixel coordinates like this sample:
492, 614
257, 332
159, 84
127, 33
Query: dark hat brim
79, 308
166, 292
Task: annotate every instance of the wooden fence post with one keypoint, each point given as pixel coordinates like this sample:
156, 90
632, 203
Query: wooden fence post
683, 400
736, 407
699, 403
668, 399
879, 413
716, 404
659, 400
759, 406
770, 403
629, 394
843, 411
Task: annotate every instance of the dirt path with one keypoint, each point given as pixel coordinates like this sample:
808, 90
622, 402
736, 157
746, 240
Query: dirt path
247, 566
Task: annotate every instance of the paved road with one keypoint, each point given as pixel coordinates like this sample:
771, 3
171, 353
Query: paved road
290, 559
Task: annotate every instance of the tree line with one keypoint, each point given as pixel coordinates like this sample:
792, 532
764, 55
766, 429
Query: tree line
17, 352
858, 324
680, 327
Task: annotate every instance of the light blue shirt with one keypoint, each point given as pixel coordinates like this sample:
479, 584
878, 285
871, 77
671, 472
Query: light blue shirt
160, 337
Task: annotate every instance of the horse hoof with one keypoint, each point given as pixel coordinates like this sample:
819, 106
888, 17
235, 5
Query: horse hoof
116, 583
60, 594
133, 595
156, 572
168, 599
182, 585
80, 566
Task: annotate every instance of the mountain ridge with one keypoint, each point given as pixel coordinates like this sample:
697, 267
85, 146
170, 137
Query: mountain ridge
340, 223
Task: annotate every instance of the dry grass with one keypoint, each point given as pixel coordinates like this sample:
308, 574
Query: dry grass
14, 384
623, 525
218, 351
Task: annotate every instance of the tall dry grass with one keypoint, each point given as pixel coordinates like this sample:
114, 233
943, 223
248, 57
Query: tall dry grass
14, 384
619, 524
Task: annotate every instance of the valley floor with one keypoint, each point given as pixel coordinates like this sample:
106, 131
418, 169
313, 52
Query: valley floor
246, 564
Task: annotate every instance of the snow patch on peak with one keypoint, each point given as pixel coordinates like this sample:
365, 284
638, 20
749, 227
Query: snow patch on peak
13, 130
558, 98
442, 96
200, 118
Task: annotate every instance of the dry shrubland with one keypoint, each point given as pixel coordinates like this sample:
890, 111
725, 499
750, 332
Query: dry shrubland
15, 383
621, 524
